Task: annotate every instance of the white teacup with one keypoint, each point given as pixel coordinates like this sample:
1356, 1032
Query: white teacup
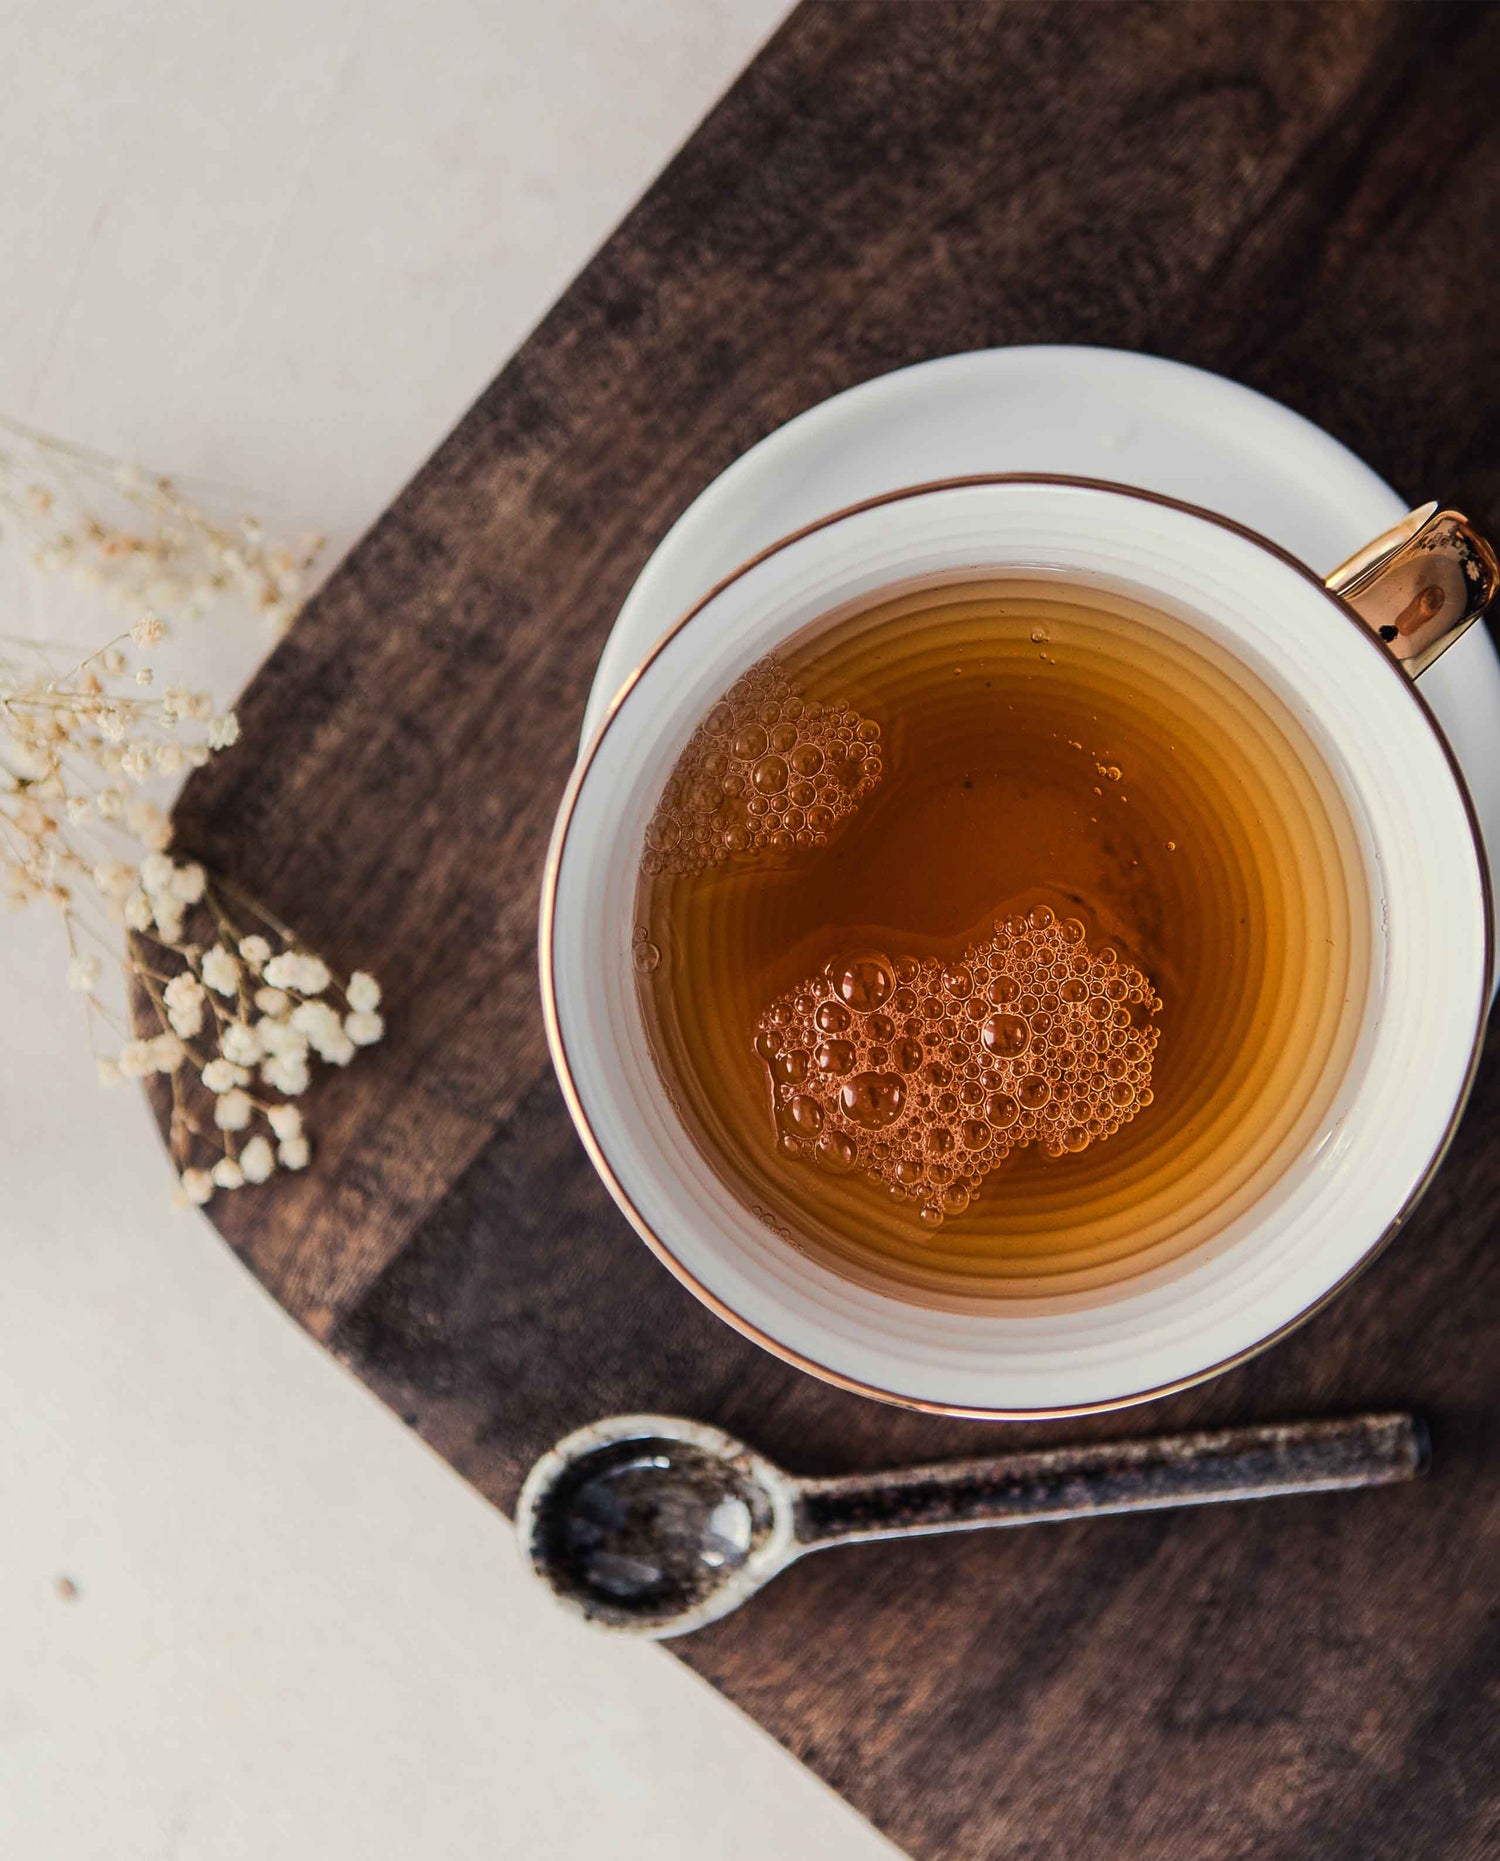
1339, 1198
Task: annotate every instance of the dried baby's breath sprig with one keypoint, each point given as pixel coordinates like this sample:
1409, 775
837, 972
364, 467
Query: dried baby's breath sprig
216, 997
138, 538
242, 1014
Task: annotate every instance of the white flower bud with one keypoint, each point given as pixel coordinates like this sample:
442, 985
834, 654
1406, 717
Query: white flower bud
197, 1187
233, 1110
285, 1120
136, 1059
156, 873
255, 952
286, 1074
188, 883
240, 1044
166, 1053
363, 992
220, 970
224, 1076
293, 1153
257, 1160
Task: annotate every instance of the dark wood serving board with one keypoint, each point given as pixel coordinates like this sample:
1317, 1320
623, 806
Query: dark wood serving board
1303, 196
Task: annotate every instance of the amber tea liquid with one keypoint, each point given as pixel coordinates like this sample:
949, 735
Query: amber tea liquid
1002, 938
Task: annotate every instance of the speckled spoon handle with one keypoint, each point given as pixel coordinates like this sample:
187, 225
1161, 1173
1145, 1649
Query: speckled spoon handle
1111, 1476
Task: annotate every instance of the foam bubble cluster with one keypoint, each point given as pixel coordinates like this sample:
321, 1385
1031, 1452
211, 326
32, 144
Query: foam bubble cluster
926, 1075
765, 769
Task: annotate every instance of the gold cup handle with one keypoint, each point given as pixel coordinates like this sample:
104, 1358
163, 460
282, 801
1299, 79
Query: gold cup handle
1421, 584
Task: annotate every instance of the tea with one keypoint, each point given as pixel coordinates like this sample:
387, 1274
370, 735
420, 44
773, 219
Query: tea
1002, 936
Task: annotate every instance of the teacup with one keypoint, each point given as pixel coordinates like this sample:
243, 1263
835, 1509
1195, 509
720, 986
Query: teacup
1345, 654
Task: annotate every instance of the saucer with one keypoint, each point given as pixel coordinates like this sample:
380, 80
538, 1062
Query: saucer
1094, 413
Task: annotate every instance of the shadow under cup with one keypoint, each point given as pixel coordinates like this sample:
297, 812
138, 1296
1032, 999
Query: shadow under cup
1322, 953
1041, 740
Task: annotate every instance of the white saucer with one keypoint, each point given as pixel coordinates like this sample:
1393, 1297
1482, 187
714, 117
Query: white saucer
1097, 413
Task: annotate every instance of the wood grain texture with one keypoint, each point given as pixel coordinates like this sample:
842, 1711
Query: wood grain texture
1299, 195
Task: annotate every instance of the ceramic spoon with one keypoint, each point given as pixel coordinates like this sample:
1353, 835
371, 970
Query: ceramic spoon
654, 1526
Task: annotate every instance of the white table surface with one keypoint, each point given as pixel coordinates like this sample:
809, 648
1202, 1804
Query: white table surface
282, 247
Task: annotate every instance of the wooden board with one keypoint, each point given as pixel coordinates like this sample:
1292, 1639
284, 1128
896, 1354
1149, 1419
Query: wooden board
1303, 196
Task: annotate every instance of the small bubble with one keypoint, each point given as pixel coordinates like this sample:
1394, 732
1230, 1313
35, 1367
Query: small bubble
835, 1152
802, 1116
645, 956
835, 1057
770, 775
1006, 1035
1171, 846
871, 1100
864, 982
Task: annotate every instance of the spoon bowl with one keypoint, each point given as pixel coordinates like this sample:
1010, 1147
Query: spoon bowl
655, 1525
